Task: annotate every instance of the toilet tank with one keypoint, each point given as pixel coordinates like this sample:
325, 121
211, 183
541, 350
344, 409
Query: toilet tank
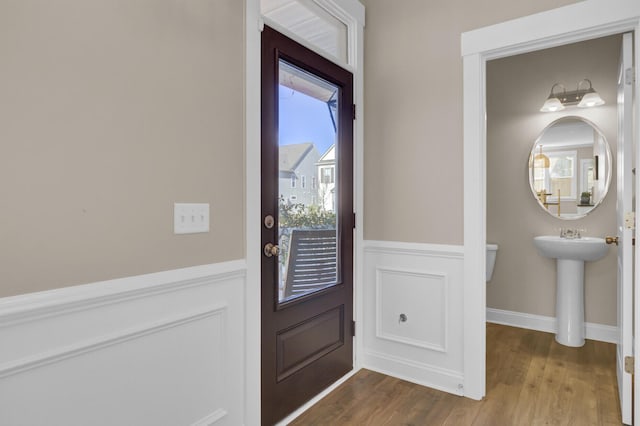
492, 250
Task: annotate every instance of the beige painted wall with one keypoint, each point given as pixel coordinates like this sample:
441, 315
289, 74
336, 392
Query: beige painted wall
111, 111
413, 113
524, 281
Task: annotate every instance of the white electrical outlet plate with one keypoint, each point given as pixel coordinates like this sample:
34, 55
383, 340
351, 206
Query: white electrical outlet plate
190, 218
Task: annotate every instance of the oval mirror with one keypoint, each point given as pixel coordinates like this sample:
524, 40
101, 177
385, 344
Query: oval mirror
570, 168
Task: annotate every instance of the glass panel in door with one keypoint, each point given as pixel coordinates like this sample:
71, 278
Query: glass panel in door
307, 183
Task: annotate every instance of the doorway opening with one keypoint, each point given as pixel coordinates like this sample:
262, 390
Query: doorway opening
558, 152
581, 21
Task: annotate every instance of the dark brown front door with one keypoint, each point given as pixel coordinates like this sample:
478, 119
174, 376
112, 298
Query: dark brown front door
307, 233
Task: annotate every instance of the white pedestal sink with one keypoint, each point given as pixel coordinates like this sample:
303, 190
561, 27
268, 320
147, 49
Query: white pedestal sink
571, 255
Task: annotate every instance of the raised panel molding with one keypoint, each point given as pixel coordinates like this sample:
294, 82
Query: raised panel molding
162, 348
425, 283
424, 321
318, 336
84, 347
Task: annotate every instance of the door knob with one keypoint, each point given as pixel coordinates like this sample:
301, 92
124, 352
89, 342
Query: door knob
611, 240
271, 250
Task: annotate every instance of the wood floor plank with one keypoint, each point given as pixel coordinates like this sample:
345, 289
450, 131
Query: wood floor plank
532, 384
608, 403
557, 394
531, 380
462, 413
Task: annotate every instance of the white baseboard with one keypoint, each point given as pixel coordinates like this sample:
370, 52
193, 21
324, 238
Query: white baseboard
600, 332
212, 418
414, 372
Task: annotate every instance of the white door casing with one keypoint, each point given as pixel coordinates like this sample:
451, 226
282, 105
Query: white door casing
569, 24
351, 13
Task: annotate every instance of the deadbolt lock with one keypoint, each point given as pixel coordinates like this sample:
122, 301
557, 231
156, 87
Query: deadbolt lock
269, 221
271, 250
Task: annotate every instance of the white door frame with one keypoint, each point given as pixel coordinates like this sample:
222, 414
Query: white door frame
569, 24
351, 13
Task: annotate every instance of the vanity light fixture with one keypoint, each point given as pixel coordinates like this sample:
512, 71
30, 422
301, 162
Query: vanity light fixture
553, 102
584, 98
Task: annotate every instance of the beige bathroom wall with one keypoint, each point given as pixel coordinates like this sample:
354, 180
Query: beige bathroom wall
111, 111
524, 281
413, 113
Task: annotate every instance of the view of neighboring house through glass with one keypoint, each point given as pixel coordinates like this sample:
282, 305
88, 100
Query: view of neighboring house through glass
307, 213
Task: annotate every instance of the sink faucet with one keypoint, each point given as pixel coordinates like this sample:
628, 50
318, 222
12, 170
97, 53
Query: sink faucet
570, 233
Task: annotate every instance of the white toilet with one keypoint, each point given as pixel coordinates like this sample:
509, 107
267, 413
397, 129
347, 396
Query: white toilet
492, 250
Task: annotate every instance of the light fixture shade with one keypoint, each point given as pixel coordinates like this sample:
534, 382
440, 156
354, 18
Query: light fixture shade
541, 160
591, 99
552, 104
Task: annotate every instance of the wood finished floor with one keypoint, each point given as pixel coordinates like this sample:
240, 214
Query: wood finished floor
531, 380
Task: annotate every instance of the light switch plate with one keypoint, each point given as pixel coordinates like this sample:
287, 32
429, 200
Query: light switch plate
190, 218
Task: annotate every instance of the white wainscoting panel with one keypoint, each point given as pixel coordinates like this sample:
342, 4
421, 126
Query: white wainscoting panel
157, 349
413, 313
